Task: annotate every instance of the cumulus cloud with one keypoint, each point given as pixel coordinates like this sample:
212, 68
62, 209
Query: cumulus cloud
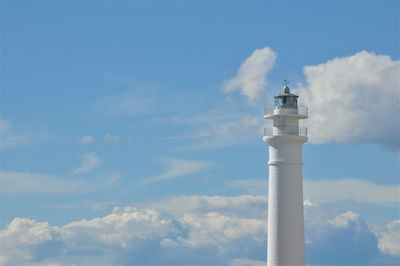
86, 139
178, 168
215, 231
251, 78
354, 99
341, 240
26, 241
90, 161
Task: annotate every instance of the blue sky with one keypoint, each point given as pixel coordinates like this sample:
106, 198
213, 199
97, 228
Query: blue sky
148, 116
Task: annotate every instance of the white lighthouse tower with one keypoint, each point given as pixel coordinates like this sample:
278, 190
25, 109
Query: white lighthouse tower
285, 201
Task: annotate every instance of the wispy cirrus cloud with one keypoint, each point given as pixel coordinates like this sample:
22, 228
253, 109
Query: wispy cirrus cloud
90, 161
179, 168
10, 137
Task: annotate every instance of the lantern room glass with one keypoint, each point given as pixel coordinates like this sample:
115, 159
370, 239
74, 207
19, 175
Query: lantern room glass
286, 102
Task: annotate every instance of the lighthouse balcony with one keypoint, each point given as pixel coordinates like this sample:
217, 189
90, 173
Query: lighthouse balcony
285, 131
301, 112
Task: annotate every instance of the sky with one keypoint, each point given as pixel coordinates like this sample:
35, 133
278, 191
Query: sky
131, 131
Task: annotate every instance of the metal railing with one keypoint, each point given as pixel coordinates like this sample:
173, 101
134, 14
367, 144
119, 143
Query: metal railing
285, 130
300, 110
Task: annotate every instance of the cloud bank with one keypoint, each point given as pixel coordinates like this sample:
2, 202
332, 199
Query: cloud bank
195, 230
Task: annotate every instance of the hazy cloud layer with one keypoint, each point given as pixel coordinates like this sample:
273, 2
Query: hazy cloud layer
354, 99
251, 78
195, 230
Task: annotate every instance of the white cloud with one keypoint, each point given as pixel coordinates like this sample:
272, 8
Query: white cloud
251, 78
90, 161
86, 139
178, 168
216, 229
344, 219
199, 230
26, 241
389, 240
354, 99
132, 236
111, 138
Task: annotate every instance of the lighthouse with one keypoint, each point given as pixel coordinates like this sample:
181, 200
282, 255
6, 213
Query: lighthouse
285, 200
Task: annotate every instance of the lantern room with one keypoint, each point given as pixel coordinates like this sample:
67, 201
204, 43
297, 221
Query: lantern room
286, 99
